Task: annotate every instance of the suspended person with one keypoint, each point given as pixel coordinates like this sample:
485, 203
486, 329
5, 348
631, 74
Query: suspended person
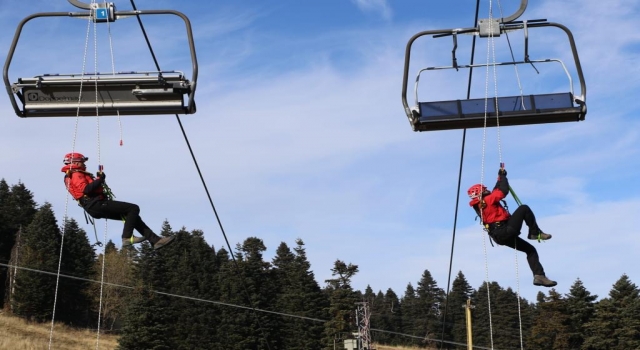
89, 192
504, 228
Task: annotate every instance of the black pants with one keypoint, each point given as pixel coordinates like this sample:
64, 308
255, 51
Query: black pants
116, 210
508, 235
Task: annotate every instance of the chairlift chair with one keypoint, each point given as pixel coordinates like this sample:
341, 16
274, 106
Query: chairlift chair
122, 93
510, 110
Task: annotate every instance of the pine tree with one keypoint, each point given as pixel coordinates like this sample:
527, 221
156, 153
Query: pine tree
511, 319
193, 274
430, 303
616, 324
298, 294
40, 242
249, 283
78, 259
410, 315
147, 320
17, 209
386, 315
461, 291
551, 326
342, 307
580, 308
118, 272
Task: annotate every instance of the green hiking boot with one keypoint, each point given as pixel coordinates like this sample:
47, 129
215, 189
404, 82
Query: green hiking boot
164, 241
132, 240
542, 280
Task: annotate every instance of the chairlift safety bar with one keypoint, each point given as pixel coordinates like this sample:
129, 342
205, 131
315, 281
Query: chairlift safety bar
564, 67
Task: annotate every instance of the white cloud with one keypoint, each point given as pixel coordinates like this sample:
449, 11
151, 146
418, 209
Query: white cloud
380, 6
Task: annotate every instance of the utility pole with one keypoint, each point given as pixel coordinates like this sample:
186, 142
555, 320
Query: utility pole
467, 313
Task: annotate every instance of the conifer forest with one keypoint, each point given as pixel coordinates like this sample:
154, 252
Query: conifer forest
195, 296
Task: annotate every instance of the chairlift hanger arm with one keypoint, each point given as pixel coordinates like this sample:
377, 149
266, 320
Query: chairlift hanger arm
81, 5
14, 43
523, 6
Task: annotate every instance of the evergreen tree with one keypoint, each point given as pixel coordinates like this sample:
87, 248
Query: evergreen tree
193, 274
551, 325
580, 309
298, 294
461, 291
118, 272
386, 315
342, 299
430, 303
486, 322
249, 283
78, 259
40, 242
147, 321
410, 314
616, 324
17, 209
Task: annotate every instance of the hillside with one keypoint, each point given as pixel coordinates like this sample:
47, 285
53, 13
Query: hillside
18, 334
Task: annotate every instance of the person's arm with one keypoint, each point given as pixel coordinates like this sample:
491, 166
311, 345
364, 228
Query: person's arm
93, 186
503, 183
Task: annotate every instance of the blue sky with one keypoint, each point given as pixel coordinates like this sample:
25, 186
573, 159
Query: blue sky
300, 133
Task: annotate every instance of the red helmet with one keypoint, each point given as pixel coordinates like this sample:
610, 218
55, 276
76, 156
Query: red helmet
74, 157
476, 190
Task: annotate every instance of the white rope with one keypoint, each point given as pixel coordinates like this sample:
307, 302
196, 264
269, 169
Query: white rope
104, 263
518, 294
113, 71
73, 148
515, 66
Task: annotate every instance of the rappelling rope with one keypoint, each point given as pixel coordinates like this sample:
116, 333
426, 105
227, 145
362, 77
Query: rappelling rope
66, 204
490, 48
113, 72
491, 58
90, 18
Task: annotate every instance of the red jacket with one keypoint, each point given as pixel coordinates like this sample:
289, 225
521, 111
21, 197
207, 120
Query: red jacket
77, 179
492, 210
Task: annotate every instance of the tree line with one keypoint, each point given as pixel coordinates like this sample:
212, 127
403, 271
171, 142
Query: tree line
194, 296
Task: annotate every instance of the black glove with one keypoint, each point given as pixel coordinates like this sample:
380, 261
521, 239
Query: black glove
101, 175
502, 172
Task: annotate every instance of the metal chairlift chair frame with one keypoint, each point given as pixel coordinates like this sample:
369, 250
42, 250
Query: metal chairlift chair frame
511, 110
122, 93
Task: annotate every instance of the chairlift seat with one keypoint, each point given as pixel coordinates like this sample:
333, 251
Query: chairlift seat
512, 110
131, 93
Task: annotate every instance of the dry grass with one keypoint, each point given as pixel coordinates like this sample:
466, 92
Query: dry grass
18, 334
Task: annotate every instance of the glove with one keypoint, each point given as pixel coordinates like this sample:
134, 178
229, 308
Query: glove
502, 172
101, 175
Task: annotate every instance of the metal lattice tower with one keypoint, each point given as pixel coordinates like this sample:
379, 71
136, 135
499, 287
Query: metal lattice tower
362, 320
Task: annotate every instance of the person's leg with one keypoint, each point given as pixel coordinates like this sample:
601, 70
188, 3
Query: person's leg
524, 214
116, 210
145, 231
532, 254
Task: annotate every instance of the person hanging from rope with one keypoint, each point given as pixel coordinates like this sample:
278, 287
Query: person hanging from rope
505, 228
95, 197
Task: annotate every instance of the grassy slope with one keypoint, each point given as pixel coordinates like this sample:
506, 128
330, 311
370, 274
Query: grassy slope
18, 334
